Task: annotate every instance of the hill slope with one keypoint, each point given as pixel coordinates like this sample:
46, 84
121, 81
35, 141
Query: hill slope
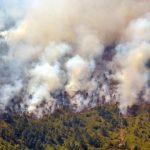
101, 128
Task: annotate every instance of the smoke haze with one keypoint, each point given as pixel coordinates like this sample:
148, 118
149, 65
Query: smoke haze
70, 53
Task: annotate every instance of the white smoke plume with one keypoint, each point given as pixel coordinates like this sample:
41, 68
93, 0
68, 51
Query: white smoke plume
52, 53
132, 56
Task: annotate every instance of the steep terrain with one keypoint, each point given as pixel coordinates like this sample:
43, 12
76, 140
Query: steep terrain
100, 128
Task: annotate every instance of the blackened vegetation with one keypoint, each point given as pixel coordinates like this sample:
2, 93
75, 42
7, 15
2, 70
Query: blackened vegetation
148, 64
109, 53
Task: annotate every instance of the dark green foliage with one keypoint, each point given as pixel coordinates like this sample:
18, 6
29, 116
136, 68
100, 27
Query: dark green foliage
101, 128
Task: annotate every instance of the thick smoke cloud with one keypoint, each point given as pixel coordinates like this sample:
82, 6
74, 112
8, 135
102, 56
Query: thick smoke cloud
52, 54
134, 73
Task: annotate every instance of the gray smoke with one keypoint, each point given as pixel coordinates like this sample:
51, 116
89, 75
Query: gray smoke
73, 53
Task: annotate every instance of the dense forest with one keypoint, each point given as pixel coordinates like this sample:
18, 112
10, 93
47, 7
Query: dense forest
100, 128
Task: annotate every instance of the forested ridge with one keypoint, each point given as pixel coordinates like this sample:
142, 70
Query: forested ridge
100, 128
